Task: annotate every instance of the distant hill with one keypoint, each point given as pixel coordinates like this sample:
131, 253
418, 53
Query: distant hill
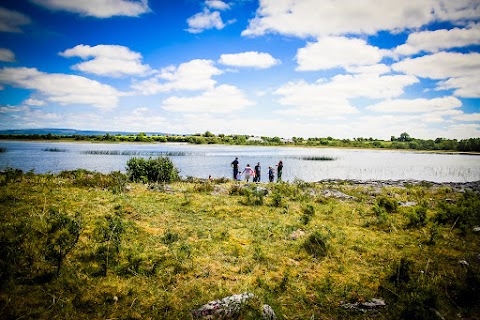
70, 132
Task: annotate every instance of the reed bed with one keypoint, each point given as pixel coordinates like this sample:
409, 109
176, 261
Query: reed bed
139, 153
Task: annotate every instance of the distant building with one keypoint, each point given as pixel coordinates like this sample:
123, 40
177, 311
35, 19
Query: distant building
255, 139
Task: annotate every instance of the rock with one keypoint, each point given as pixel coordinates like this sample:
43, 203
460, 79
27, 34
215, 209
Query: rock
407, 203
230, 308
268, 313
336, 194
476, 229
261, 190
464, 262
364, 306
297, 234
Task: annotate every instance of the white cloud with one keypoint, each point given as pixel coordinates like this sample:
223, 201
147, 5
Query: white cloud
461, 71
7, 55
253, 59
328, 17
332, 52
217, 5
468, 117
193, 75
13, 109
373, 69
62, 88
12, 21
465, 87
205, 20
34, 102
222, 99
98, 8
108, 60
441, 65
433, 41
332, 98
457, 10
419, 105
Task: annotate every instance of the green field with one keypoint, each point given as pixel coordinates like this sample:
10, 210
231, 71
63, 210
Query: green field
85, 245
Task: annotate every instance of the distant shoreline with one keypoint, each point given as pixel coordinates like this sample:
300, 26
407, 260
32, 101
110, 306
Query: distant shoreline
453, 152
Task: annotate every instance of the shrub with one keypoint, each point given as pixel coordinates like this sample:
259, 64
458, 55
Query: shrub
417, 217
63, 233
390, 205
315, 244
464, 214
160, 169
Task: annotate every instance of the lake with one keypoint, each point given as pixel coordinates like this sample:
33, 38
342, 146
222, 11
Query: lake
307, 164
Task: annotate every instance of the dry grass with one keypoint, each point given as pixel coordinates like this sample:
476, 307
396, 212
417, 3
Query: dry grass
182, 248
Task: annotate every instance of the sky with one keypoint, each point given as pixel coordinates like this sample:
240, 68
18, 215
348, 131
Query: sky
286, 68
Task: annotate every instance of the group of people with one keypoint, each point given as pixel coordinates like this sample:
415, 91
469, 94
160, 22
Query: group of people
256, 172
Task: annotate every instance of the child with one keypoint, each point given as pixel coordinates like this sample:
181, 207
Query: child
239, 175
271, 174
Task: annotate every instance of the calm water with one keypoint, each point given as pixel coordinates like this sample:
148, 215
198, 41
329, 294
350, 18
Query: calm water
204, 160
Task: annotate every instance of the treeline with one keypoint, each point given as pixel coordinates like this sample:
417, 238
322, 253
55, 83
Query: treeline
404, 141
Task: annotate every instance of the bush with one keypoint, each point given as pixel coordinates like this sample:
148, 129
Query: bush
390, 205
160, 169
315, 245
464, 214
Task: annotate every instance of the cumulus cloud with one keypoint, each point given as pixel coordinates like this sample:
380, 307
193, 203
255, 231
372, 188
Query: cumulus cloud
332, 52
221, 99
441, 65
420, 105
6, 55
217, 5
332, 98
34, 102
465, 87
434, 41
468, 117
205, 20
12, 21
328, 17
193, 75
62, 88
252, 59
461, 71
98, 8
108, 60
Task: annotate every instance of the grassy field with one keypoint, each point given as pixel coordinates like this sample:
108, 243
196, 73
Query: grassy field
83, 245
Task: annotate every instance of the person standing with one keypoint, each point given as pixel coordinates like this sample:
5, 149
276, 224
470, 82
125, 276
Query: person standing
279, 170
235, 168
248, 172
258, 172
271, 174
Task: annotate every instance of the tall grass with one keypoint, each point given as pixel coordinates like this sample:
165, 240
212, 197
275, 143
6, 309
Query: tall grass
159, 254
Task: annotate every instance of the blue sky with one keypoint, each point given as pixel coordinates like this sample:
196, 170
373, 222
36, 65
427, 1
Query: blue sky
287, 68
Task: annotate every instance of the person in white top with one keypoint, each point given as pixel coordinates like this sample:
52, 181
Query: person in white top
248, 172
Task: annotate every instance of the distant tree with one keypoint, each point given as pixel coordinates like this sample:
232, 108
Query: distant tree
404, 137
208, 134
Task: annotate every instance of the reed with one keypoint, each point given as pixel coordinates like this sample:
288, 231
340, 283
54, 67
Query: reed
54, 150
317, 158
137, 153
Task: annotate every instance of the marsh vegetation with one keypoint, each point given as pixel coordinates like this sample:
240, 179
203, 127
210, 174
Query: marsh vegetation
82, 244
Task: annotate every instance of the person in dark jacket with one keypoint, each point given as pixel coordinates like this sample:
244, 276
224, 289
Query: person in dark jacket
235, 168
258, 172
